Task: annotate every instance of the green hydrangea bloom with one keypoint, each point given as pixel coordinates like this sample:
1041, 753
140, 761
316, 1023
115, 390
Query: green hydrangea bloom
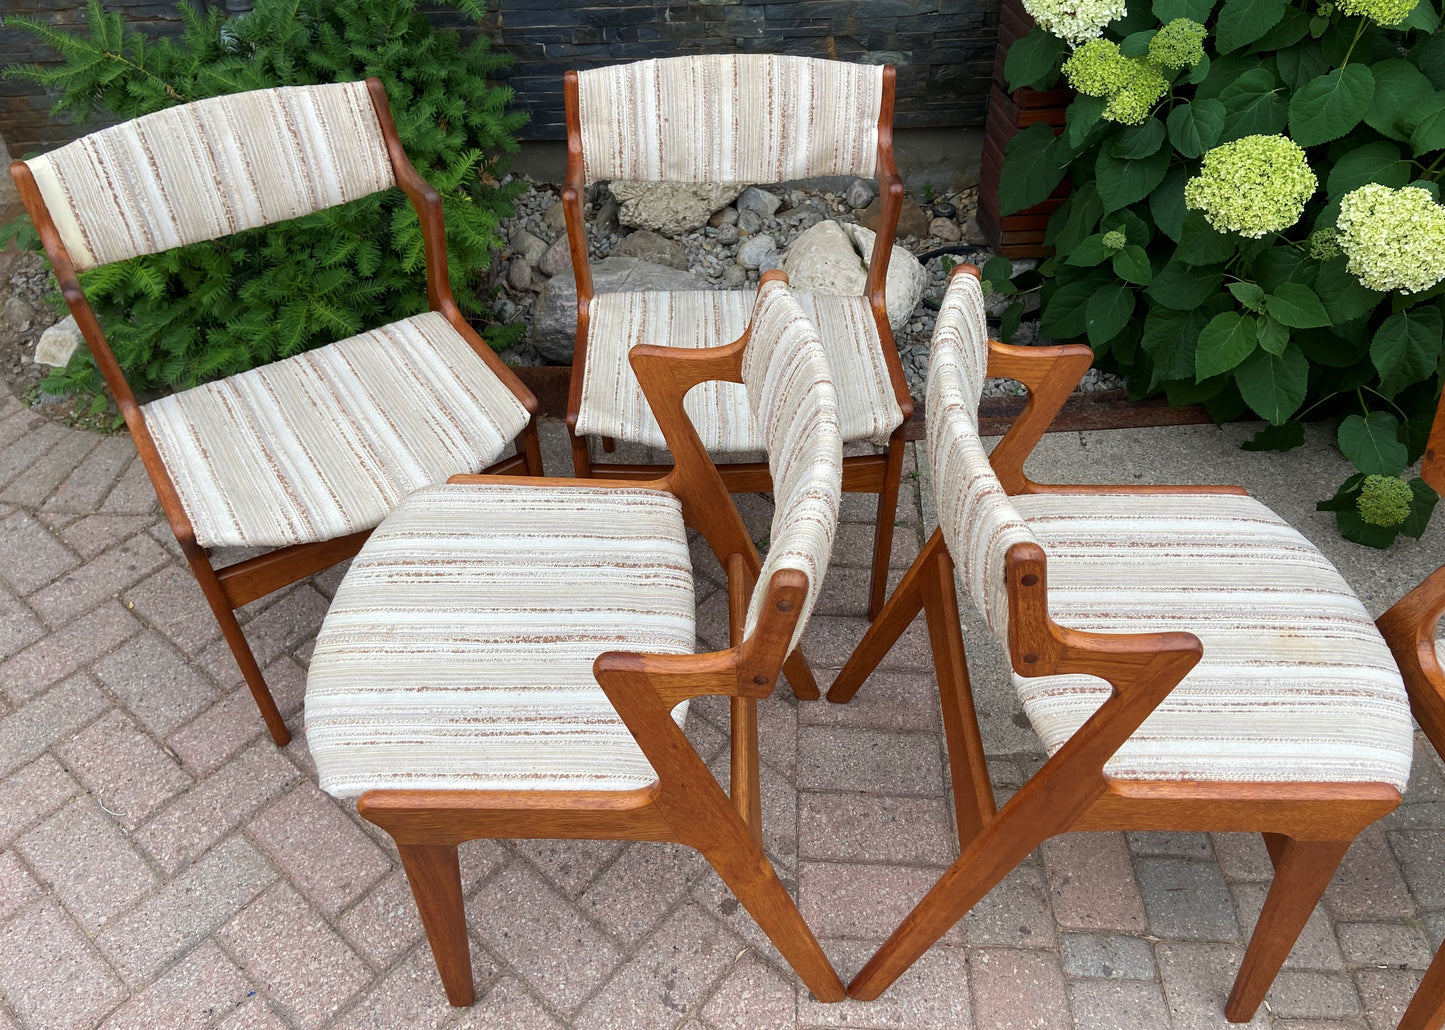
1324, 244
1395, 239
1097, 69
1384, 501
1252, 186
1386, 12
1144, 84
1180, 44
1075, 20
1114, 240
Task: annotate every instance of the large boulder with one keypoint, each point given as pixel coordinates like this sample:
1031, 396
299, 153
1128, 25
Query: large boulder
554, 319
832, 257
672, 207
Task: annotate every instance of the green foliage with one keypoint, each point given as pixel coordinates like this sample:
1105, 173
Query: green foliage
1266, 311
216, 308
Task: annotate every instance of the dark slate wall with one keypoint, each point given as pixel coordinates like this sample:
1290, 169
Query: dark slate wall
943, 49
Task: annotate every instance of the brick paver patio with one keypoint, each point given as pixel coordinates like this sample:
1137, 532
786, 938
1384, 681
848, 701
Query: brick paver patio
163, 865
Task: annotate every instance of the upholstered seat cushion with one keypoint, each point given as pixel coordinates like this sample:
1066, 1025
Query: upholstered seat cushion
612, 400
458, 650
327, 442
1295, 684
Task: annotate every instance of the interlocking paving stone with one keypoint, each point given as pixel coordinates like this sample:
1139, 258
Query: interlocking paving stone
203, 985
132, 493
87, 484
933, 993
33, 557
50, 974
255, 1014
93, 535
29, 730
849, 900
1197, 979
1419, 854
411, 995
869, 761
36, 463
1091, 882
214, 737
17, 887
127, 771
1368, 884
858, 827
1170, 845
1306, 994
831, 637
571, 865
613, 900
507, 1006
753, 996
18, 624
1107, 956
1316, 947
102, 578
385, 922
854, 546
172, 602
1387, 944
1385, 993
292, 953
52, 658
1118, 1005
896, 701
31, 793
88, 863
1018, 989
1015, 914
155, 682
1242, 856
1186, 900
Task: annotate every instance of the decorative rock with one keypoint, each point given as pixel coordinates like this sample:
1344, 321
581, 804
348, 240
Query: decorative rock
649, 246
555, 218
606, 217
554, 320
734, 276
673, 208
945, 229
529, 247
911, 219
761, 201
727, 216
861, 193
804, 217
943, 209
833, 258
972, 234
756, 249
727, 235
58, 343
557, 257
749, 222
771, 260
519, 274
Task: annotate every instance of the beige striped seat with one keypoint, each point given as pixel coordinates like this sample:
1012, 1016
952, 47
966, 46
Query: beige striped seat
1295, 685
327, 442
612, 401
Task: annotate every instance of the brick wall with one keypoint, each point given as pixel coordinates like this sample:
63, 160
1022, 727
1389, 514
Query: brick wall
943, 49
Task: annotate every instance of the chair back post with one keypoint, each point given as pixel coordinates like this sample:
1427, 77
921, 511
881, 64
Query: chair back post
1432, 467
890, 192
572, 192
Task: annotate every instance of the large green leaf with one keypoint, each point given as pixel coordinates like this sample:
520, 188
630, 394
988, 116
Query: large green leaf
1406, 348
1429, 129
1429, 57
1298, 65
1136, 44
1185, 287
1345, 298
1199, 244
1241, 22
1328, 107
1400, 88
1063, 310
1169, 339
1089, 252
1194, 128
1254, 106
1274, 385
1272, 336
1277, 438
1379, 161
1372, 443
1227, 340
1166, 203
1288, 31
1121, 183
1075, 219
1031, 169
1251, 295
1195, 10
1296, 306
1080, 118
1132, 265
1107, 311
1032, 59
1424, 17
1139, 141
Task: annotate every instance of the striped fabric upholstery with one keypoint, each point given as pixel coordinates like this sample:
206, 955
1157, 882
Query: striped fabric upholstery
212, 168
458, 651
327, 442
1295, 684
979, 521
730, 118
789, 385
612, 400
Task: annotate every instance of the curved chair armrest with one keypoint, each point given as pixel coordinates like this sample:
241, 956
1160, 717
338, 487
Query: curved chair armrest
1409, 628
1432, 466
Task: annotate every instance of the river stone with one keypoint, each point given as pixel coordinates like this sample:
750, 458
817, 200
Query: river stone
555, 217
554, 319
911, 219
972, 234
649, 246
755, 249
749, 222
557, 257
761, 201
861, 193
727, 235
945, 229
832, 257
531, 248
671, 207
606, 217
727, 216
519, 274
734, 277
58, 343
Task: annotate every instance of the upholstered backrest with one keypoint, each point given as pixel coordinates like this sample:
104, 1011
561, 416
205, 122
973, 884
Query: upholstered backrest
979, 521
212, 168
790, 388
729, 118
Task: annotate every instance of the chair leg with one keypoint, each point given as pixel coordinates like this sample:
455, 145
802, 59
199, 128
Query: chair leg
436, 882
883, 528
1427, 1007
581, 455
1302, 870
745, 784
231, 629
800, 677
531, 448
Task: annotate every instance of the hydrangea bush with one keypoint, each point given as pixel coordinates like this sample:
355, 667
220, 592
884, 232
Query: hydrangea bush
1255, 222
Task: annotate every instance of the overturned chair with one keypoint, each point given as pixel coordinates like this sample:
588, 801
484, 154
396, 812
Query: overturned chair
513, 657
301, 457
1190, 661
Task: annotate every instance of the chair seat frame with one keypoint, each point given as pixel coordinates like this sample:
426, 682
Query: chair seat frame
686, 804
862, 473
1307, 827
230, 587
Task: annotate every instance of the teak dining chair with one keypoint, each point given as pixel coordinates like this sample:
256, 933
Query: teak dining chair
744, 118
1190, 661
305, 455
1411, 629
513, 658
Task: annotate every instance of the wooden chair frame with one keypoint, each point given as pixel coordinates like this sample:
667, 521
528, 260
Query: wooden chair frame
862, 473
1307, 827
686, 805
232, 586
1410, 627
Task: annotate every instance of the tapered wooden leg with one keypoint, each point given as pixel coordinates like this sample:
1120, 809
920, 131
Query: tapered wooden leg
609, 444
581, 456
215, 596
1302, 870
746, 782
900, 611
883, 528
531, 448
973, 802
800, 677
436, 883
1427, 1007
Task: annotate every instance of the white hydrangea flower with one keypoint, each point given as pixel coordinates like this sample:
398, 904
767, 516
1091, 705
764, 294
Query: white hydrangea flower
1394, 239
1075, 21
